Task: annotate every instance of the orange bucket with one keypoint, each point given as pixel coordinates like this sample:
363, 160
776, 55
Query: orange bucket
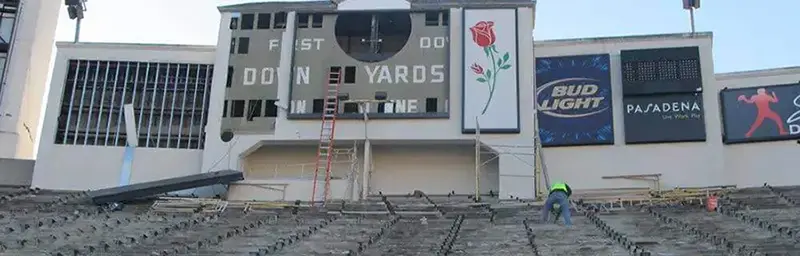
711, 203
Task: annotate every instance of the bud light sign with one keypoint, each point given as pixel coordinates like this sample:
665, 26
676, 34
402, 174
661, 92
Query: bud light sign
574, 100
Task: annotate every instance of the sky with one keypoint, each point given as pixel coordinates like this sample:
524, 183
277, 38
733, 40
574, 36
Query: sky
746, 37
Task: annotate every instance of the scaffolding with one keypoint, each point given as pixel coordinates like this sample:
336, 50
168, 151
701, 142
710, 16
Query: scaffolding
494, 151
351, 155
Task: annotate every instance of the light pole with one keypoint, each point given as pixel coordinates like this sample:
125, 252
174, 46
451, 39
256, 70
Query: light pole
75, 9
364, 106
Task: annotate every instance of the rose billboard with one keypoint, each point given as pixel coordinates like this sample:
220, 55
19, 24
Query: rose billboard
763, 113
573, 96
491, 84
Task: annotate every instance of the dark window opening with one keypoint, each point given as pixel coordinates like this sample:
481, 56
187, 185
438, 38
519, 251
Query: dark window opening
225, 108
264, 21
335, 69
431, 105
234, 23
317, 105
431, 18
445, 18
381, 107
280, 20
247, 21
254, 109
350, 107
233, 46
350, 75
237, 108
302, 20
229, 79
272, 109
368, 41
316, 20
244, 45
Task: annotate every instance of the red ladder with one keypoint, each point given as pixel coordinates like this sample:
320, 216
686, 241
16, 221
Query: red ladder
325, 148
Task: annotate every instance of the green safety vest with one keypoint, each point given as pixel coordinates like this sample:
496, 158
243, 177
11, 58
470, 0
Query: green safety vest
558, 186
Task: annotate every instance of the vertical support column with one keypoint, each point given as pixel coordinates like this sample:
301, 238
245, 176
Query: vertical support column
285, 68
133, 140
367, 170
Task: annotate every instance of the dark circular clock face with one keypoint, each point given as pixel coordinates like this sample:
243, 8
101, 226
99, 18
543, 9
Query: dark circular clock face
226, 136
372, 37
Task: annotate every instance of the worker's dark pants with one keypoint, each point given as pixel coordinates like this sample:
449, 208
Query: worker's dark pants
560, 198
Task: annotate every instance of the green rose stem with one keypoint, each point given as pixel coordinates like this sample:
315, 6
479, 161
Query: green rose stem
493, 79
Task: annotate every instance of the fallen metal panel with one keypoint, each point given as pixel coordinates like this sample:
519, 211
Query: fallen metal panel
133, 191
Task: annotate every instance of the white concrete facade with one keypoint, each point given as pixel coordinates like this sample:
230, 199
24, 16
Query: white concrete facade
81, 167
427, 154
25, 77
514, 173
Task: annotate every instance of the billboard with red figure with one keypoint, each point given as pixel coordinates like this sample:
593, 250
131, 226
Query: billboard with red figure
763, 113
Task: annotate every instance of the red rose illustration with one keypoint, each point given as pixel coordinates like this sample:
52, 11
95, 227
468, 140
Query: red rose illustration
484, 36
483, 33
477, 69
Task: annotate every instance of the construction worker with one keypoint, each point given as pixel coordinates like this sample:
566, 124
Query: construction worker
559, 194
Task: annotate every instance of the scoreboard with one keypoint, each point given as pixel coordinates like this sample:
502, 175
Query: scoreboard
659, 71
401, 54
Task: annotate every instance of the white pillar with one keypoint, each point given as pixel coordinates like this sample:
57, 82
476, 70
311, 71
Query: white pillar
367, 170
285, 68
132, 136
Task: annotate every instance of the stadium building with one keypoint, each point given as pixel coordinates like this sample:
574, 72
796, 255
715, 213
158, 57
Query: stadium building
413, 107
414, 86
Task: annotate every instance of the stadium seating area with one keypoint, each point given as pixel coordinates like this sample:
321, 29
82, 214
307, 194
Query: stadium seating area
752, 221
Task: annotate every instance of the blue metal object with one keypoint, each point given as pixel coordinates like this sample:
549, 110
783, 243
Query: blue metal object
127, 165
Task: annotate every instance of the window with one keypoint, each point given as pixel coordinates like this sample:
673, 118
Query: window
233, 45
170, 110
445, 18
247, 21
280, 20
431, 105
372, 37
381, 107
317, 105
234, 23
350, 107
302, 20
225, 108
254, 109
229, 79
244, 45
316, 20
431, 18
350, 75
237, 108
264, 21
272, 109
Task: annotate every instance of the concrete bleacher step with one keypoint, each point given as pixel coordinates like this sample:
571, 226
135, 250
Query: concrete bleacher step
583, 238
737, 232
480, 237
337, 238
659, 238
